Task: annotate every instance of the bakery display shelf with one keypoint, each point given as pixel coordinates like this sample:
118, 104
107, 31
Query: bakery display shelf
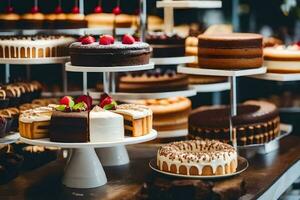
278, 77
10, 138
212, 87
174, 60
285, 130
216, 72
61, 94
189, 4
172, 133
153, 95
79, 31
34, 61
242, 166
84, 168
72, 68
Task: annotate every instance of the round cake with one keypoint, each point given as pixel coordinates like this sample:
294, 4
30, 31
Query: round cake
75, 20
256, 122
168, 114
107, 20
32, 21
107, 53
165, 45
167, 80
9, 20
282, 59
34, 46
197, 157
230, 51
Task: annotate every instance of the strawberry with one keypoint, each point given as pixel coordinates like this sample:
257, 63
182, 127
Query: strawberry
103, 96
107, 103
9, 9
98, 9
86, 99
117, 10
128, 39
106, 40
35, 9
88, 40
75, 10
67, 100
58, 10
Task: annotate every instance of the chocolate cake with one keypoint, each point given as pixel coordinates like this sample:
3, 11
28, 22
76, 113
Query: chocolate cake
69, 127
116, 54
230, 51
256, 122
165, 45
167, 80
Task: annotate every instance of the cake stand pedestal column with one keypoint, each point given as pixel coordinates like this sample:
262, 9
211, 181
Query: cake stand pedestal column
118, 155
84, 170
7, 73
233, 110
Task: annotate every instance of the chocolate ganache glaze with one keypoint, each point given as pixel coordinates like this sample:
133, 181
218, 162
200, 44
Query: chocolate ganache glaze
116, 54
256, 122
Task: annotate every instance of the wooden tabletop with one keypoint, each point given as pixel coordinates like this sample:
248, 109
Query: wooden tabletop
267, 176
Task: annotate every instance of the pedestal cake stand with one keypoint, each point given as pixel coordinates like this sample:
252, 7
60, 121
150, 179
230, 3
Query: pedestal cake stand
232, 74
84, 169
108, 155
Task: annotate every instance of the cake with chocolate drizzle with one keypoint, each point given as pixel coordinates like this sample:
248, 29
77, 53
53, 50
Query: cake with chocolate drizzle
256, 122
197, 157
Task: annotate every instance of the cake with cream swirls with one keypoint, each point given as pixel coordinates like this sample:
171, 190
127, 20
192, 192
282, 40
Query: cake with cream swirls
197, 157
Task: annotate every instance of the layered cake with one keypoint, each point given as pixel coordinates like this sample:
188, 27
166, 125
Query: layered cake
137, 119
75, 20
34, 123
34, 46
256, 122
32, 20
197, 157
168, 114
107, 52
107, 20
168, 80
191, 49
76, 121
230, 51
282, 59
166, 45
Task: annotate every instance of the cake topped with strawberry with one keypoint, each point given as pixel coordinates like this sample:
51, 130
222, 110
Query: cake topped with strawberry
105, 51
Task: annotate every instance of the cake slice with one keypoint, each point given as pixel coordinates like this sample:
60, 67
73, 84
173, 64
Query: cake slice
137, 119
105, 126
34, 123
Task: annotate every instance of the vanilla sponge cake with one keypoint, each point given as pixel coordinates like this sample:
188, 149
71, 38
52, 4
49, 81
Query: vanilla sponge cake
230, 51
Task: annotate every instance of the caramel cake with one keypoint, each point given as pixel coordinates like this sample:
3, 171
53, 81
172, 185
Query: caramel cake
230, 51
107, 52
9, 20
256, 122
191, 49
168, 114
197, 157
167, 80
34, 123
282, 59
107, 20
165, 45
33, 20
137, 119
34, 46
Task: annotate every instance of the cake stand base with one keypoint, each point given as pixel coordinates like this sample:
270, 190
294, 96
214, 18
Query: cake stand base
113, 156
84, 170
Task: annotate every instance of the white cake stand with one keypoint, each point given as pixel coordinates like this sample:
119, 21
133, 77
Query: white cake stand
174, 60
278, 77
10, 138
189, 4
84, 169
173, 133
152, 95
117, 154
212, 87
34, 61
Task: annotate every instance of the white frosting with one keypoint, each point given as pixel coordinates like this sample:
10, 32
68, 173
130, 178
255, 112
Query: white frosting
282, 65
105, 126
196, 153
36, 115
15, 45
133, 110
